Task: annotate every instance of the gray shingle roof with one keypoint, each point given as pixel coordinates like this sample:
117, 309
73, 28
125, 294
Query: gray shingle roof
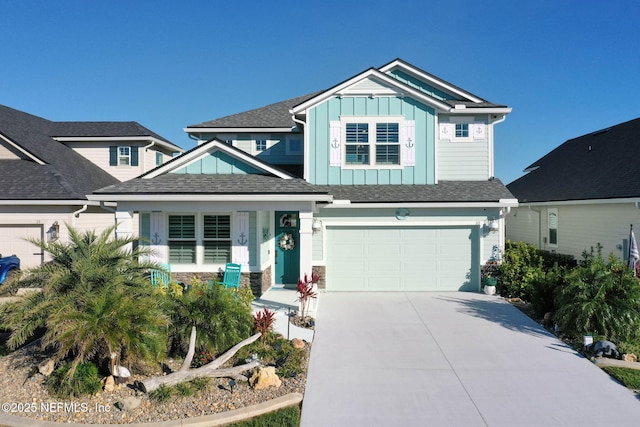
102, 129
271, 116
174, 183
443, 192
599, 165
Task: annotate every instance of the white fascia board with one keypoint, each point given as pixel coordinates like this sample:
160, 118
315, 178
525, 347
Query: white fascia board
23, 151
347, 204
145, 139
402, 88
195, 155
489, 110
47, 203
211, 197
430, 79
581, 202
330, 223
237, 130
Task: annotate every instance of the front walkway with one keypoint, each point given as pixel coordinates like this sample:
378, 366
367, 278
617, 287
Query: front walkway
450, 359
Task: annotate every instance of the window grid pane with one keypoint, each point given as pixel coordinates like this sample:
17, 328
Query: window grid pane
217, 227
182, 227
182, 252
462, 130
357, 133
388, 154
387, 132
217, 252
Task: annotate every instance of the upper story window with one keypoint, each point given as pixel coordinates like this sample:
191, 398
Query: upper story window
123, 156
552, 224
462, 130
369, 142
158, 158
294, 146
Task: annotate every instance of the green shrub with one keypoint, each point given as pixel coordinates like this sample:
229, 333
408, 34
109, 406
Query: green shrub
276, 351
184, 389
200, 384
522, 266
601, 298
162, 393
545, 287
550, 259
85, 381
285, 417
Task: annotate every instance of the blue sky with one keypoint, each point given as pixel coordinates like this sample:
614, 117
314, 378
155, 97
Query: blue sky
566, 67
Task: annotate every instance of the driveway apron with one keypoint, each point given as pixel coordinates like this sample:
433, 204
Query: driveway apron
450, 359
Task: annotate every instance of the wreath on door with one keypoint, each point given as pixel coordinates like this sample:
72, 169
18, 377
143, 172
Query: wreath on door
287, 242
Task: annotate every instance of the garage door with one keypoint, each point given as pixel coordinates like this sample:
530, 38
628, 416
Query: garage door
400, 259
12, 243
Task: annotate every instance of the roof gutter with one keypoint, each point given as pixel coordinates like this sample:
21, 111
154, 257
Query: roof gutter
306, 160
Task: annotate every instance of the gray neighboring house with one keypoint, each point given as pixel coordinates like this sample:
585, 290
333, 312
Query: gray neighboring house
47, 168
584, 192
383, 182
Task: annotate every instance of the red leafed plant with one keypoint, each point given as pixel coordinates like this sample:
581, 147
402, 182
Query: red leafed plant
306, 292
263, 321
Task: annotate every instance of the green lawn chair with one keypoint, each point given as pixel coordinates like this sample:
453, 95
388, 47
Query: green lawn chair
161, 278
232, 276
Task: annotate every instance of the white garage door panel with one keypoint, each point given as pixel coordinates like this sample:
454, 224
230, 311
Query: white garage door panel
396, 259
12, 243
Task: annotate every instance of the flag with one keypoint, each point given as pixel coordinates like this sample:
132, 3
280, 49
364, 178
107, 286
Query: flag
634, 256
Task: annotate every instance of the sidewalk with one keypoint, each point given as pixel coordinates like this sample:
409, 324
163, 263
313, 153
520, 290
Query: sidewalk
284, 303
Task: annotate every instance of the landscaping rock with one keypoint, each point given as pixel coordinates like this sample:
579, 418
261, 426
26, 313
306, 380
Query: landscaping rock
630, 357
109, 384
297, 343
128, 403
265, 378
46, 368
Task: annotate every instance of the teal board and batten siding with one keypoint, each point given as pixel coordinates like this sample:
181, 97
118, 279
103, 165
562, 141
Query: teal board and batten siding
276, 142
421, 85
318, 120
218, 163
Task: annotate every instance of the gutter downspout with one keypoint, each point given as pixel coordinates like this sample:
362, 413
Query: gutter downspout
306, 152
144, 161
491, 154
77, 213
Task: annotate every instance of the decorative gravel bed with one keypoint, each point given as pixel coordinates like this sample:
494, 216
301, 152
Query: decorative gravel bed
23, 393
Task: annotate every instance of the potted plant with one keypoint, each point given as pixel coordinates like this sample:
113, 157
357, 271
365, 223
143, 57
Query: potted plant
489, 278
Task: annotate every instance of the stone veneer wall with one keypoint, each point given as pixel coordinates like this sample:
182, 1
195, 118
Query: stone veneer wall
320, 270
258, 282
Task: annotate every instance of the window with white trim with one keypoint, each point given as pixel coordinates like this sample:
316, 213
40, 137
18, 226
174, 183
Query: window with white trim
260, 145
552, 225
124, 156
294, 147
207, 242
372, 142
462, 130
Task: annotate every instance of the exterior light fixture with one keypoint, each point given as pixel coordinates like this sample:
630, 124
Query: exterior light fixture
53, 233
494, 225
316, 226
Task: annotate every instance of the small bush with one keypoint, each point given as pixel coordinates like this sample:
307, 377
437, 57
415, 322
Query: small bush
162, 393
263, 321
200, 384
545, 288
85, 381
275, 351
184, 389
521, 267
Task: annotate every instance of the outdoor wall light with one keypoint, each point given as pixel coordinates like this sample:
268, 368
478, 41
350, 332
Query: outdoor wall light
494, 225
53, 232
402, 214
316, 226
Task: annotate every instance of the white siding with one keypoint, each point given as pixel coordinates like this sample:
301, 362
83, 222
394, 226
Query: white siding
580, 227
7, 153
463, 161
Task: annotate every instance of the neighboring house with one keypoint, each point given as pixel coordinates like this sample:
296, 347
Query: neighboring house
584, 192
382, 182
47, 168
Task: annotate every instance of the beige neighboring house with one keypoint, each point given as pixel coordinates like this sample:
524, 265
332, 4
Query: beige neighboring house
47, 168
584, 192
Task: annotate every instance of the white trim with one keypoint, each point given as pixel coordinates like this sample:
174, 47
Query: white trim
237, 130
164, 144
210, 147
489, 110
338, 204
399, 224
49, 202
23, 151
580, 202
440, 84
402, 89
372, 122
210, 197
548, 230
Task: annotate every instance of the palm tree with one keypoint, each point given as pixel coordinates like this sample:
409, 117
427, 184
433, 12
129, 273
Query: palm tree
95, 303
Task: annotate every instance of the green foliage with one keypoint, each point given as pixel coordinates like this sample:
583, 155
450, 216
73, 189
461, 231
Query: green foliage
220, 317
285, 417
275, 351
600, 297
95, 301
521, 267
200, 384
627, 376
545, 288
84, 381
184, 389
245, 294
549, 259
162, 393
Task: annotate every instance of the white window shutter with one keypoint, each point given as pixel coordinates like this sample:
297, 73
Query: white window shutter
408, 146
157, 243
478, 131
446, 131
240, 243
335, 146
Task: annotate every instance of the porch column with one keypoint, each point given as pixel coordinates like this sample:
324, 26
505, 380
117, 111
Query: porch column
124, 225
306, 237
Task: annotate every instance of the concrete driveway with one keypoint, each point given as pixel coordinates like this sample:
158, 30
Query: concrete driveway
450, 359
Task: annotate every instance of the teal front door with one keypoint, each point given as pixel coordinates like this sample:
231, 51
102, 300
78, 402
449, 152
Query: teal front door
287, 247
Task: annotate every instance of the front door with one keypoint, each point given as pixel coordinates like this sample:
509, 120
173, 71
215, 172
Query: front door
287, 252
